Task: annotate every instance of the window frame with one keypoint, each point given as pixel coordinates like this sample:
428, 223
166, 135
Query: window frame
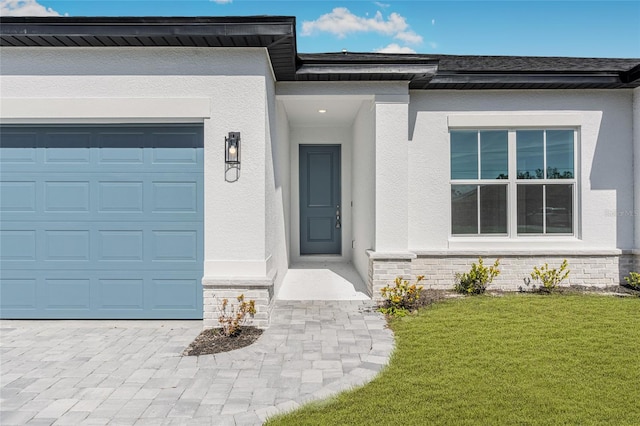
512, 183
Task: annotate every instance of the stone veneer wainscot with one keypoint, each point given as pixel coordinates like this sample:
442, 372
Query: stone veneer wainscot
597, 269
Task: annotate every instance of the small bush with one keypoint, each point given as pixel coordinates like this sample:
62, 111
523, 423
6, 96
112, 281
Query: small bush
633, 280
401, 298
232, 317
550, 278
477, 279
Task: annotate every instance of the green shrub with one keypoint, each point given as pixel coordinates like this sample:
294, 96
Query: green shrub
401, 298
633, 280
477, 279
550, 278
232, 317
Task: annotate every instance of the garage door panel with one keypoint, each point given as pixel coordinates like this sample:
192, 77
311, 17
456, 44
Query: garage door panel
174, 294
101, 245
18, 196
118, 294
118, 196
18, 293
120, 245
67, 196
104, 294
18, 245
97, 224
66, 293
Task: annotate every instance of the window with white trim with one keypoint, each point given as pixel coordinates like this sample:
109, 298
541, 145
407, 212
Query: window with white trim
513, 182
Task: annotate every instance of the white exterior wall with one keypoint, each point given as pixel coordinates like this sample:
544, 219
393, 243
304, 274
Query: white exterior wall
114, 84
277, 188
636, 166
363, 175
605, 177
391, 173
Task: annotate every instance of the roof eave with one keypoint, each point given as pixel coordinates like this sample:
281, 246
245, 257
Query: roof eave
276, 34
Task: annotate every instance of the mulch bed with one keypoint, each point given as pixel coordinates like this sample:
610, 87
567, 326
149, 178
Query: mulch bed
212, 341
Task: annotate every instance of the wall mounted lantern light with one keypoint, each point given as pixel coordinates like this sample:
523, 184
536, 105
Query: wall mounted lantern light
232, 157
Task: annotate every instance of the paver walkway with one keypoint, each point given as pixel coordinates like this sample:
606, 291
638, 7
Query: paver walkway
132, 372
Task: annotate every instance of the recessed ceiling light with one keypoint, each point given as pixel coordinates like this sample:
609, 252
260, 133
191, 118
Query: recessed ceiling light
322, 111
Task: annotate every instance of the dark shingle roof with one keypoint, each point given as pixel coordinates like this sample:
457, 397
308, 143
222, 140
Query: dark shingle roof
532, 64
499, 72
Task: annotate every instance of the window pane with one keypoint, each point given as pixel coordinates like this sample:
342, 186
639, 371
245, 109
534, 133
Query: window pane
560, 154
493, 209
530, 214
530, 153
464, 155
493, 155
464, 209
559, 209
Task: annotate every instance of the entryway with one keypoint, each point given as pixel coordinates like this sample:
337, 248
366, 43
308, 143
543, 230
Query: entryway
320, 198
323, 281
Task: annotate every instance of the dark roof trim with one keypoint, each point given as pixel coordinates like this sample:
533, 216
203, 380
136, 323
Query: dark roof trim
277, 35
632, 76
411, 71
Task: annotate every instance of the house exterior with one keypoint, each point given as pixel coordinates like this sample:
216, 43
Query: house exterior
120, 199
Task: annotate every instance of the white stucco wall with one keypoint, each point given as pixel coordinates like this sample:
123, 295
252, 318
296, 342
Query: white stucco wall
391, 173
363, 181
234, 81
277, 188
636, 164
604, 120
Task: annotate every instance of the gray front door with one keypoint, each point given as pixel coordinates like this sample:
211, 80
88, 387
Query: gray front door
320, 209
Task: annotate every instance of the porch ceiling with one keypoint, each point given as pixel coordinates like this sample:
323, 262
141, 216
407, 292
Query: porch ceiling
340, 111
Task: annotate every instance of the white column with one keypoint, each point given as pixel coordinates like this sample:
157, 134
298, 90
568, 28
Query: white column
636, 163
234, 221
391, 173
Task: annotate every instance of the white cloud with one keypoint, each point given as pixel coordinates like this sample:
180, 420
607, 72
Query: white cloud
433, 22
342, 22
381, 5
25, 8
222, 1
395, 48
409, 37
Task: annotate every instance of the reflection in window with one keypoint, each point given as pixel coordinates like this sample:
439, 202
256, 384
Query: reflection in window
493, 209
559, 154
530, 153
494, 157
559, 210
530, 209
545, 209
464, 155
464, 209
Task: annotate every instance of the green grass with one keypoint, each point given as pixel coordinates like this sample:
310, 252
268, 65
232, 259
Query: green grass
519, 359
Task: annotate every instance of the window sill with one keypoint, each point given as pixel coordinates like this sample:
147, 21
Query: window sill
522, 246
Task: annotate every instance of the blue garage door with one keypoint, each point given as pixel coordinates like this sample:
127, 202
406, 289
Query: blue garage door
101, 221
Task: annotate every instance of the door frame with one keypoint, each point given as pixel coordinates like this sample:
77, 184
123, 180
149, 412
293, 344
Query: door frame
320, 136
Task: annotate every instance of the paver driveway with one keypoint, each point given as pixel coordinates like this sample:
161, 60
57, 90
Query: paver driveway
132, 372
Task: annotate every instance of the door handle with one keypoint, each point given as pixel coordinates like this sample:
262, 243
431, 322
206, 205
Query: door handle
338, 224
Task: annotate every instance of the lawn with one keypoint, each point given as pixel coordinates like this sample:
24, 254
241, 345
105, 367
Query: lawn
517, 359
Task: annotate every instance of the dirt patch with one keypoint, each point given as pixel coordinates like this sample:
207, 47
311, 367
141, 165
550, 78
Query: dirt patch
212, 341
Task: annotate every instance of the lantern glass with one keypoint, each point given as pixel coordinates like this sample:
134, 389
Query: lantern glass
232, 148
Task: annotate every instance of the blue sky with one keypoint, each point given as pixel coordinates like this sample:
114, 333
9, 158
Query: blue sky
532, 28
